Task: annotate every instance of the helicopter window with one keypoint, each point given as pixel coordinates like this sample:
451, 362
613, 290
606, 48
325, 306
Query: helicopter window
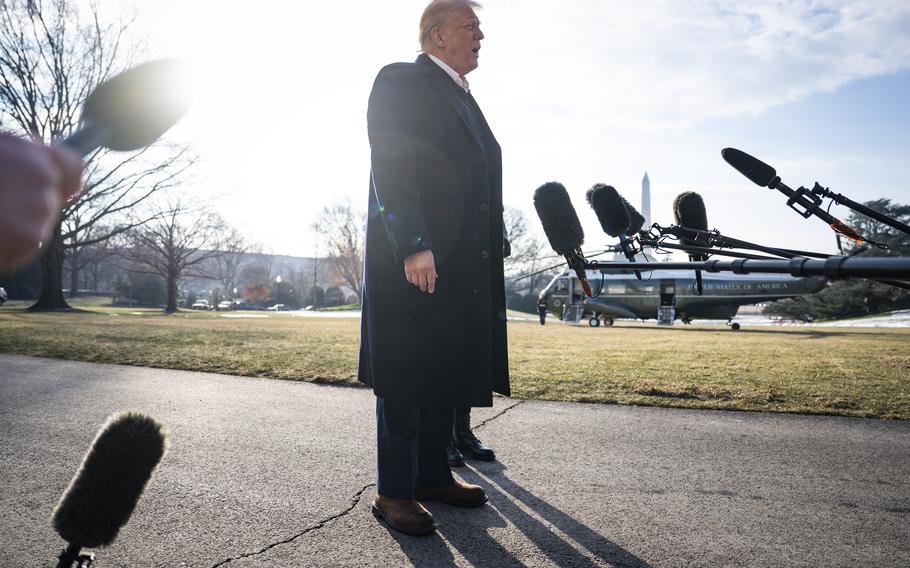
562, 285
616, 289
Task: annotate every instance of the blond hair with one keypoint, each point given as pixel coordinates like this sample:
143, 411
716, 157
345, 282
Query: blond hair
435, 14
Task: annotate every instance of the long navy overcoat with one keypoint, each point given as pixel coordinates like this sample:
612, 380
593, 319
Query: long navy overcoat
435, 183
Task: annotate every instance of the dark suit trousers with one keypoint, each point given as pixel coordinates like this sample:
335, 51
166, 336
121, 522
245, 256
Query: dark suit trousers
411, 442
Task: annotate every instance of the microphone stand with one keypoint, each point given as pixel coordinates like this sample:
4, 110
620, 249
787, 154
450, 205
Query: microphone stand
716, 239
832, 268
703, 250
712, 252
859, 207
810, 204
73, 553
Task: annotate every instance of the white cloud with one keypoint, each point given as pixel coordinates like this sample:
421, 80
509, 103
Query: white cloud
667, 64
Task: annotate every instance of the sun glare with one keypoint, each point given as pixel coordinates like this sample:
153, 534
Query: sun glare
281, 89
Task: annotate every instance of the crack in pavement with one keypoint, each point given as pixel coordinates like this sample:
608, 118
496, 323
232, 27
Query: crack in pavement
354, 501
494, 417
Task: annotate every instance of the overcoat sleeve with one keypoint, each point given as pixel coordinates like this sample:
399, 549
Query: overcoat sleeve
393, 124
506, 245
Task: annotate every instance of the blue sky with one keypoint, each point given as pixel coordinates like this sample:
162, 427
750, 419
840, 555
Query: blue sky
868, 118
855, 140
579, 91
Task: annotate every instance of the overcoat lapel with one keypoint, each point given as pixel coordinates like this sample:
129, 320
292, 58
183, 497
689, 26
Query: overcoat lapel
446, 87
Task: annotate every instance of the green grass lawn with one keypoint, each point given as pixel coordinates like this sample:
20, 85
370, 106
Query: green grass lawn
846, 371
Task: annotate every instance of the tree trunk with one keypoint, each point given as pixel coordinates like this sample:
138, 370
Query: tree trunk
171, 293
51, 297
74, 273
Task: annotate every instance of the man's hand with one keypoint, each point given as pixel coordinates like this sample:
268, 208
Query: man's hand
420, 270
35, 181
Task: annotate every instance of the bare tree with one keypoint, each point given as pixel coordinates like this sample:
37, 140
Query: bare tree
87, 256
97, 262
529, 255
343, 230
51, 58
179, 239
225, 266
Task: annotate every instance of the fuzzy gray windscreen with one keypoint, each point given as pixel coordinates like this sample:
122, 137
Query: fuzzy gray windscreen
609, 207
103, 493
558, 217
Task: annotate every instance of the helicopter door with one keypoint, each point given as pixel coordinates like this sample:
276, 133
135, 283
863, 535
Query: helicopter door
560, 296
574, 310
666, 310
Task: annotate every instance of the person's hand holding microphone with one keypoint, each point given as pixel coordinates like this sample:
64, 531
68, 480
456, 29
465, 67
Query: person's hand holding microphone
35, 182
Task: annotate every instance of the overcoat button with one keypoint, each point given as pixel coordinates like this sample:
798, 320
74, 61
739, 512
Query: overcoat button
483, 206
484, 254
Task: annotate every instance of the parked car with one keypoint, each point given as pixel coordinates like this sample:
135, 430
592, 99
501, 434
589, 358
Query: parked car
280, 308
3, 296
226, 305
201, 304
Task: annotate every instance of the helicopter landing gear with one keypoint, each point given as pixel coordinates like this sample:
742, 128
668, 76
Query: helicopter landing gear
608, 321
733, 325
594, 322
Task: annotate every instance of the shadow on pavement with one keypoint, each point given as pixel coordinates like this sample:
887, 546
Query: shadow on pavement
467, 530
571, 544
424, 551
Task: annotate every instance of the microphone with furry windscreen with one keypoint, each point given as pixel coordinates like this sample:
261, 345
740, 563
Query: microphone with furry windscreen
103, 493
560, 224
614, 217
689, 212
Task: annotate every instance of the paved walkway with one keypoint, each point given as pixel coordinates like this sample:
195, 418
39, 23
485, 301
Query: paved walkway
271, 473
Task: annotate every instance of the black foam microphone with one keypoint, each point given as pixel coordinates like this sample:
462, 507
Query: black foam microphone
764, 175
103, 493
613, 215
689, 212
609, 208
561, 225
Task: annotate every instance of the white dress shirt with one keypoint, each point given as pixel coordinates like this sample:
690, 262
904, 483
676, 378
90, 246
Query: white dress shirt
459, 80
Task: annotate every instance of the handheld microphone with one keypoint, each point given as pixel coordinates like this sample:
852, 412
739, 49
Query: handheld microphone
614, 217
764, 175
561, 225
689, 212
103, 493
133, 109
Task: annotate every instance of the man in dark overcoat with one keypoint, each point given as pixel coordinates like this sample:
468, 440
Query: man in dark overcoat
433, 333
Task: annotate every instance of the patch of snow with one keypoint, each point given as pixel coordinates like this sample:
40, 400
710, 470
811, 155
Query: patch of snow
244, 316
899, 318
337, 314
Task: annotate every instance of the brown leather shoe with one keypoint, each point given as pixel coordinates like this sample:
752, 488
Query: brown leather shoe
404, 515
459, 494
